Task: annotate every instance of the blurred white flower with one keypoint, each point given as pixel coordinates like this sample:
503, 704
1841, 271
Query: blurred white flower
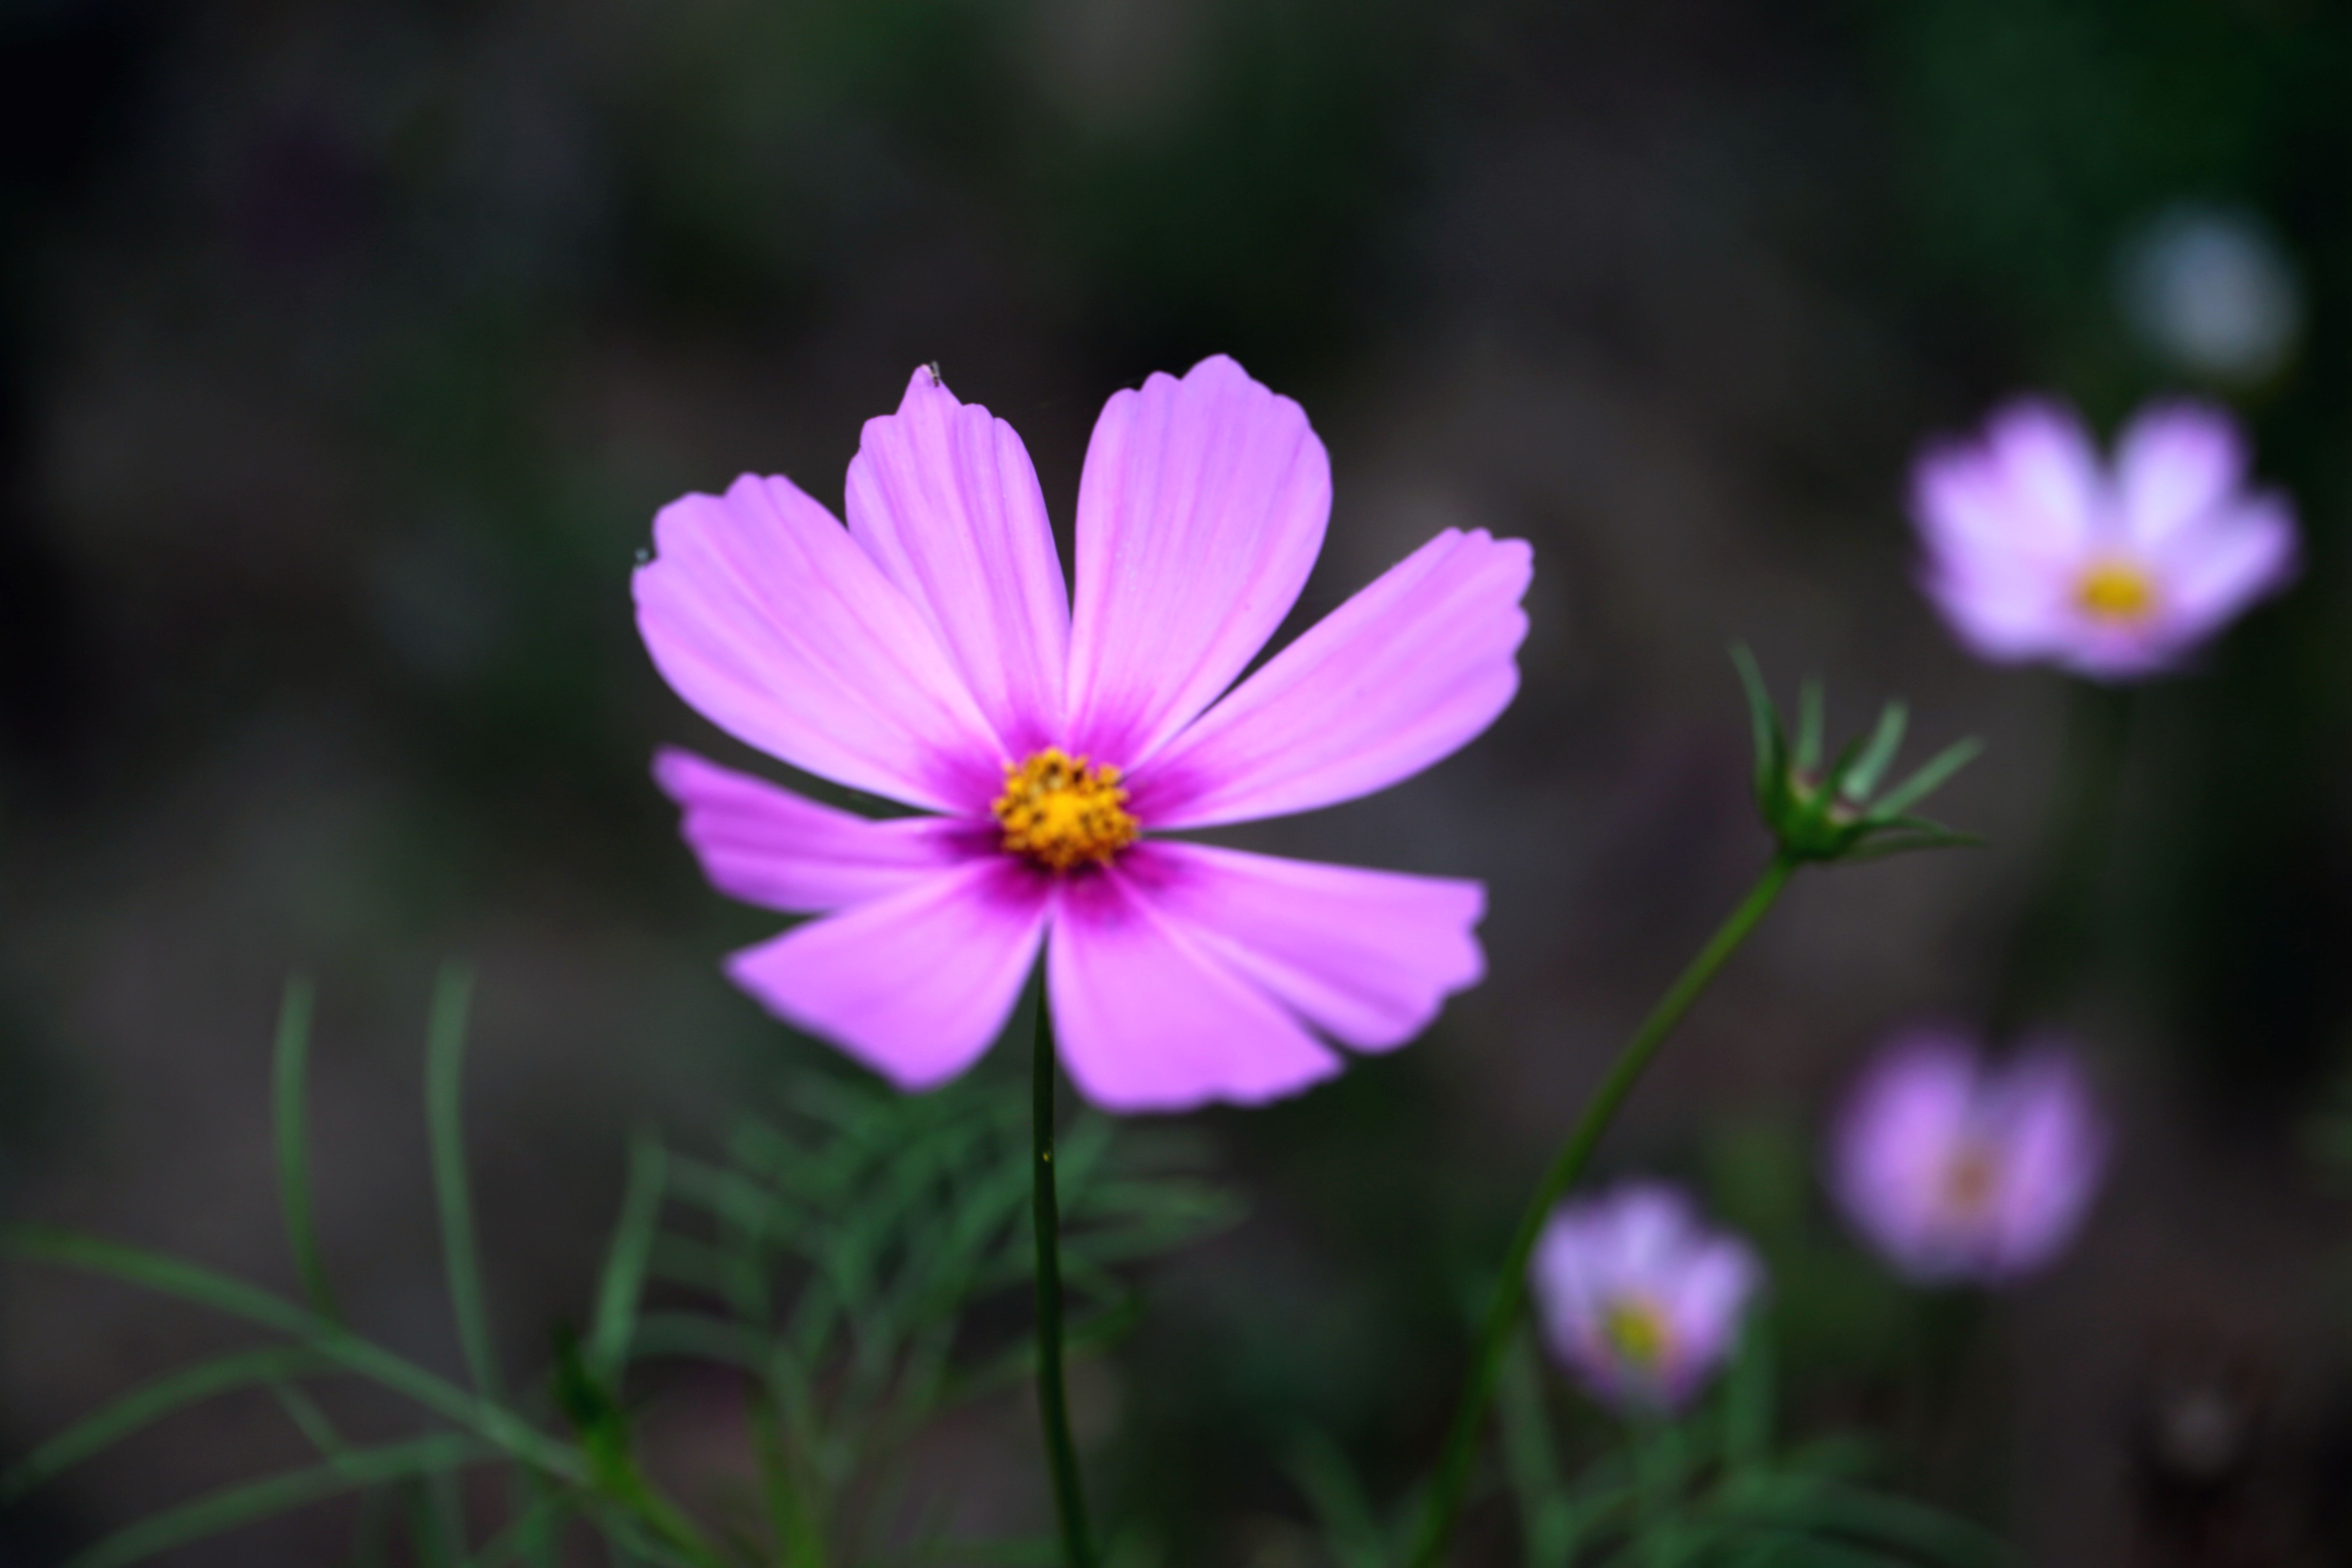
2211, 290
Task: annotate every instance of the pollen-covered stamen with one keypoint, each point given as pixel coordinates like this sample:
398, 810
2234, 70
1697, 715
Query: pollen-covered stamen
1638, 1331
2115, 590
1061, 813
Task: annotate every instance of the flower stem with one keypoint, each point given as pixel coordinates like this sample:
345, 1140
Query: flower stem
1052, 1403
1510, 1298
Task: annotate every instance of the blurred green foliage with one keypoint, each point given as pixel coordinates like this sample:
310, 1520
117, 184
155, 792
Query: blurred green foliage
850, 1264
1716, 1486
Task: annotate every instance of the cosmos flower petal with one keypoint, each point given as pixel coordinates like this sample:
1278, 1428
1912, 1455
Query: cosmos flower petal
2057, 1151
1713, 1284
2032, 485
1404, 673
2005, 610
1568, 1287
1368, 957
2042, 455
1200, 510
1649, 1222
1901, 1123
761, 611
2007, 606
916, 985
1962, 503
944, 498
769, 846
2176, 463
2244, 554
2006, 523
1149, 1019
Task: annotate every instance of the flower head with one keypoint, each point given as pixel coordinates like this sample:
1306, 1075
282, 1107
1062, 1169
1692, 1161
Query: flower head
1960, 1171
2038, 552
1638, 1297
931, 654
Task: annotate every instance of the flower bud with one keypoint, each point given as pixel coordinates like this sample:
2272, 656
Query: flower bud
1836, 812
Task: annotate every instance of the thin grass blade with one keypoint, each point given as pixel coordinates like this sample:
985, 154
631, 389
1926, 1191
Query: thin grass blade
445, 1059
310, 1420
153, 1271
150, 1403
624, 1282
171, 1277
289, 1099
227, 1510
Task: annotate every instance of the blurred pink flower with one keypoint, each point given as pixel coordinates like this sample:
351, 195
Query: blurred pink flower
2037, 552
929, 653
1641, 1300
1958, 1171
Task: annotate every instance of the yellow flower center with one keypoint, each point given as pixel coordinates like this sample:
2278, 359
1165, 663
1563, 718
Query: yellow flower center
1637, 1329
2114, 591
1060, 813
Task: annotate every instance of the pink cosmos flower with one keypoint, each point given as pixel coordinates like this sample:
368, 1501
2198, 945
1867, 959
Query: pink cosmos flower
2037, 552
1638, 1297
1960, 1171
929, 653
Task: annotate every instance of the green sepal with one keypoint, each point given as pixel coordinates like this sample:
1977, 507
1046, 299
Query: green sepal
1862, 778
1829, 814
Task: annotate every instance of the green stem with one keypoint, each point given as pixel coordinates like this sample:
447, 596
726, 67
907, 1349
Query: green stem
1052, 1403
1509, 1301
799, 1544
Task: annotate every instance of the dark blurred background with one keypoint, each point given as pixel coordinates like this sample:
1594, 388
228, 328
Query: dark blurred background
347, 350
